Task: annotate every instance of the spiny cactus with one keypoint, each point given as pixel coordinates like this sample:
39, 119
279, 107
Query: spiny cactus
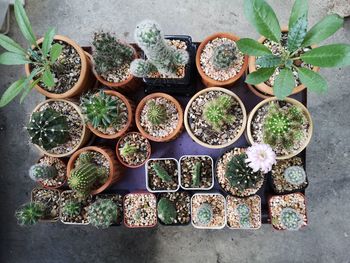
224, 56
160, 56
156, 113
71, 208
103, 213
109, 53
217, 112
41, 171
295, 175
290, 219
84, 157
283, 126
128, 150
196, 173
166, 211
243, 210
48, 129
205, 214
161, 172
83, 177
30, 213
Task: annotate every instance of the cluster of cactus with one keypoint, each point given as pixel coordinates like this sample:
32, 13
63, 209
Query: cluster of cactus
295, 175
103, 213
110, 53
30, 213
161, 57
40, 171
161, 172
48, 128
71, 208
224, 56
128, 149
166, 211
217, 112
243, 211
205, 214
156, 113
283, 126
290, 219
196, 173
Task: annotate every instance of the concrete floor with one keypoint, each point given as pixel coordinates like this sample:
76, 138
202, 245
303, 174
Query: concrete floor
326, 239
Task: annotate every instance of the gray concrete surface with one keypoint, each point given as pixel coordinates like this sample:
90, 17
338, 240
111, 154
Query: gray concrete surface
326, 239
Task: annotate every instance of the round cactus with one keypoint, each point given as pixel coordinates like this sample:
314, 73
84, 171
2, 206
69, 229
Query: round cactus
103, 213
166, 211
30, 213
243, 210
83, 177
244, 222
290, 219
224, 56
295, 175
156, 113
39, 172
71, 208
205, 214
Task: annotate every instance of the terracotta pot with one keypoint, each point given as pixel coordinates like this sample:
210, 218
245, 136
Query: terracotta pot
289, 100
176, 133
115, 173
120, 159
209, 82
54, 187
256, 92
85, 80
53, 220
188, 128
130, 123
263, 87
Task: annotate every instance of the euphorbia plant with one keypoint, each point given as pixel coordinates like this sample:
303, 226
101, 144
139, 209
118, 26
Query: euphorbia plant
262, 16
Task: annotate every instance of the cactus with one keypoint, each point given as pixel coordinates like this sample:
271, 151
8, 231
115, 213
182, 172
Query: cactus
290, 219
30, 213
205, 214
160, 56
244, 222
224, 56
48, 129
103, 213
41, 171
83, 177
109, 53
295, 175
128, 150
243, 210
71, 208
166, 211
84, 157
196, 173
283, 126
156, 113
161, 172
216, 112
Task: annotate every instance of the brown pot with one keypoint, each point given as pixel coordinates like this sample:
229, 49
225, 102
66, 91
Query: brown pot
256, 91
209, 82
85, 80
130, 123
176, 133
263, 87
53, 220
53, 187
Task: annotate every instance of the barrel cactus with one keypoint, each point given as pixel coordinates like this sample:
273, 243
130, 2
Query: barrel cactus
224, 56
161, 172
71, 208
196, 173
83, 177
166, 211
295, 175
30, 213
103, 213
156, 113
205, 214
290, 219
38, 172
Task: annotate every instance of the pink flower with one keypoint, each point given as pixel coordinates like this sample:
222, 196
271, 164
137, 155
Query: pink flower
260, 157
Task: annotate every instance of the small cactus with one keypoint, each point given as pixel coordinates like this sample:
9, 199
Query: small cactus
83, 177
84, 157
161, 172
290, 219
103, 213
205, 214
156, 113
166, 211
244, 222
71, 208
243, 210
224, 56
127, 150
295, 175
38, 172
30, 213
196, 173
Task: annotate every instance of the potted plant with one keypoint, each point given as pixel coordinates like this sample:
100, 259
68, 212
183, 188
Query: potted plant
285, 125
57, 128
162, 175
219, 62
108, 113
159, 117
196, 172
215, 118
243, 213
30, 213
174, 208
91, 170
167, 64
50, 198
208, 211
104, 212
284, 62
111, 61
288, 212
140, 210
133, 150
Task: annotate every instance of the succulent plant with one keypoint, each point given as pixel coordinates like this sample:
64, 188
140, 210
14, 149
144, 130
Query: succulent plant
71, 208
30, 213
224, 56
41, 171
160, 56
109, 53
166, 211
290, 219
205, 214
103, 213
295, 175
128, 150
196, 173
48, 129
243, 210
244, 222
283, 126
161, 172
217, 112
84, 157
156, 113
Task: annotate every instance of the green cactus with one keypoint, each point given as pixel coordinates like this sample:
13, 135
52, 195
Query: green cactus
48, 129
71, 208
128, 150
166, 211
290, 219
84, 157
83, 177
103, 213
196, 173
205, 214
224, 56
161, 172
160, 56
30, 213
156, 113
243, 210
244, 222
38, 172
295, 175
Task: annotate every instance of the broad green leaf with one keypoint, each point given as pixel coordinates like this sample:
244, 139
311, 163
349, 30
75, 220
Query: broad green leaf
297, 34
312, 80
29, 89
263, 18
23, 23
10, 45
335, 55
288, 63
300, 8
252, 47
284, 84
47, 78
268, 61
259, 76
27, 86
55, 52
9, 58
323, 29
48, 38
12, 92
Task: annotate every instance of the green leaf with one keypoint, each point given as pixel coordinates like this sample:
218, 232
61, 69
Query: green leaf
9, 58
263, 18
47, 78
55, 52
23, 23
300, 8
259, 76
48, 38
10, 45
268, 61
335, 55
323, 29
297, 34
12, 92
252, 47
29, 89
284, 84
312, 80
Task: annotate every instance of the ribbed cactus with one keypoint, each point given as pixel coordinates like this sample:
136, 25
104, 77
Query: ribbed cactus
166, 211
128, 150
295, 175
161, 172
196, 173
224, 56
48, 128
71, 208
30, 213
290, 219
83, 177
205, 214
160, 56
103, 213
84, 157
38, 172
156, 113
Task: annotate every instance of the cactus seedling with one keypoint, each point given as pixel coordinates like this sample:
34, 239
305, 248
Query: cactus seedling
128, 150
39, 172
166, 211
30, 213
161, 172
71, 208
196, 173
224, 56
243, 210
244, 222
84, 157
295, 175
103, 213
290, 219
205, 214
156, 113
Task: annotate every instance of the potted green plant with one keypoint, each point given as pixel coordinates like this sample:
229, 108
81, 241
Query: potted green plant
30, 213
50, 199
104, 212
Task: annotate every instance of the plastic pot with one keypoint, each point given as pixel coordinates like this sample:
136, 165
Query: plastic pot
61, 207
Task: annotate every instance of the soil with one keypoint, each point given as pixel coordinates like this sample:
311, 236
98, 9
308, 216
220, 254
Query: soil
182, 201
50, 199
140, 210
118, 200
61, 168
157, 184
142, 145
82, 218
187, 164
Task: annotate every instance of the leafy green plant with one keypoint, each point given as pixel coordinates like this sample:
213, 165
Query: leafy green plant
166, 211
71, 208
42, 58
41, 171
30, 213
156, 113
161, 172
263, 18
205, 214
224, 56
103, 213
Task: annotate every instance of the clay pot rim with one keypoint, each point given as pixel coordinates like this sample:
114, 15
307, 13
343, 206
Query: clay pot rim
59, 202
188, 128
53, 187
293, 102
198, 63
